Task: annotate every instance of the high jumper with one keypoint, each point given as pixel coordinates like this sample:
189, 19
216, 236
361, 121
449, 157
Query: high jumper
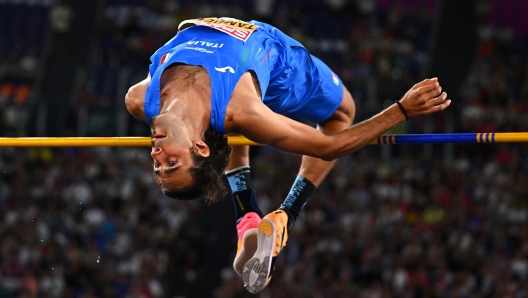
226, 76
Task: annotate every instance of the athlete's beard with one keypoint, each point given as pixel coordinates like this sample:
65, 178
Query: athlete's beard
153, 119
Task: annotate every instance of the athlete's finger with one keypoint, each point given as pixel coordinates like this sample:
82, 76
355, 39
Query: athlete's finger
437, 100
435, 92
441, 107
428, 87
425, 82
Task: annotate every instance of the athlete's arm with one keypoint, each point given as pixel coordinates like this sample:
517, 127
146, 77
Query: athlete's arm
135, 98
258, 123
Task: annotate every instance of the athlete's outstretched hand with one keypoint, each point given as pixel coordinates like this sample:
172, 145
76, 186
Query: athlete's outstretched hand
425, 98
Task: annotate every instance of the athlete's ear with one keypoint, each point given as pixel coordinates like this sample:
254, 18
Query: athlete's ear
201, 148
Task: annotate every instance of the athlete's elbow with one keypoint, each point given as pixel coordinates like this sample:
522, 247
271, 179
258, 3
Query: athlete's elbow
132, 99
328, 154
129, 101
329, 157
334, 151
134, 103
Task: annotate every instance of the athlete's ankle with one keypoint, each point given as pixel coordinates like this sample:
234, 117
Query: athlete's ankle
291, 217
245, 201
297, 198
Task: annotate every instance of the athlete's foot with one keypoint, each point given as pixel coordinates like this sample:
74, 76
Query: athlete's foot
247, 240
272, 237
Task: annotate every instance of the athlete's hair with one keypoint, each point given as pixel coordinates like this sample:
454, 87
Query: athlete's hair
206, 172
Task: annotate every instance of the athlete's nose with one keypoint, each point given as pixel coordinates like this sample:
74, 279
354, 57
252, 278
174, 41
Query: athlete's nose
155, 151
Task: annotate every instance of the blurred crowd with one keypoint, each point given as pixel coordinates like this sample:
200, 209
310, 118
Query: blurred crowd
413, 227
495, 91
90, 222
24, 27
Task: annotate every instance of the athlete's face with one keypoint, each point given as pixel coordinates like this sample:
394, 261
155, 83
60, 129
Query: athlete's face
171, 151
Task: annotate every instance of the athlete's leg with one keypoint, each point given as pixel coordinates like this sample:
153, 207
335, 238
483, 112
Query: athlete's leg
247, 212
314, 170
239, 157
273, 228
238, 176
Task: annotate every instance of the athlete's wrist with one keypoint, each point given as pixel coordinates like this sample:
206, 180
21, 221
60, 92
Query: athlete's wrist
395, 113
402, 109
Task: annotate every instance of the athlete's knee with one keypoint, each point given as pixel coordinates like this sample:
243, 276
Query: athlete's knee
343, 117
348, 107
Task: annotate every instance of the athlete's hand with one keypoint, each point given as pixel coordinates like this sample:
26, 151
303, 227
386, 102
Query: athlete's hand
425, 98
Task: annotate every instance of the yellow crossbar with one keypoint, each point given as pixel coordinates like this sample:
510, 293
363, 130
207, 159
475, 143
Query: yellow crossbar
499, 137
97, 141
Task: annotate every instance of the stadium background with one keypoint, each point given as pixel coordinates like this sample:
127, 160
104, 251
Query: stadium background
390, 221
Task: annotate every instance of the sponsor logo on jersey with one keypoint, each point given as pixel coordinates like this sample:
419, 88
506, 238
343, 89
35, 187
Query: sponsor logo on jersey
200, 50
164, 58
223, 69
236, 28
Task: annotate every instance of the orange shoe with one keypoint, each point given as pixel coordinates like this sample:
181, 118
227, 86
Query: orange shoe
272, 237
247, 240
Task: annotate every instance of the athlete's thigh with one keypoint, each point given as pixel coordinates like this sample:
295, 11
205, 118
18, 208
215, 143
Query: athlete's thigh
322, 91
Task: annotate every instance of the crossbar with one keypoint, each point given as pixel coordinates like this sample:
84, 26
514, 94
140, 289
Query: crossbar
394, 139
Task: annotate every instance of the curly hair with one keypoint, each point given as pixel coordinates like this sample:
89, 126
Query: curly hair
206, 172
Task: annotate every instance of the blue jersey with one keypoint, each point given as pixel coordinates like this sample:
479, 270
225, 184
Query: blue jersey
293, 82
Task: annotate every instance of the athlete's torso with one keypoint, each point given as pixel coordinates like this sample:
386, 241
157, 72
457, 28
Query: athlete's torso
228, 51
